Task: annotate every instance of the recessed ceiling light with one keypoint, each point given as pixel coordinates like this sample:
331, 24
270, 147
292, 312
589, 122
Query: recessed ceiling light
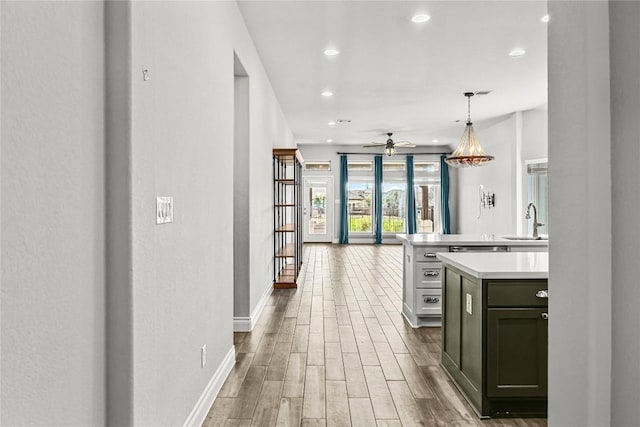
421, 17
331, 52
517, 52
329, 141
327, 93
331, 123
545, 18
435, 141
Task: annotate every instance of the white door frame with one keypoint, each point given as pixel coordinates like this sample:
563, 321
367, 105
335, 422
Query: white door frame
329, 207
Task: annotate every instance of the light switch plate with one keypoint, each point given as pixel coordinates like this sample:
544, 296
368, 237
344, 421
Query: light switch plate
164, 209
469, 304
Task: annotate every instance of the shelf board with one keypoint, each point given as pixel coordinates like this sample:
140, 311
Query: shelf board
287, 251
287, 155
287, 228
287, 278
285, 205
287, 181
284, 285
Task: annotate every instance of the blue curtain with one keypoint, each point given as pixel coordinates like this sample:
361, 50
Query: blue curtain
445, 216
411, 198
344, 201
377, 199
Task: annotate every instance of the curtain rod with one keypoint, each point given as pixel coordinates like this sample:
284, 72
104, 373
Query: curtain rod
394, 154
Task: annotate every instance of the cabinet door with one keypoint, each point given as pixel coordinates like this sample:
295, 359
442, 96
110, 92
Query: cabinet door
516, 352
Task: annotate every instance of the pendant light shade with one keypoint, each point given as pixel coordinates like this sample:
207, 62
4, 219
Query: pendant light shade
469, 152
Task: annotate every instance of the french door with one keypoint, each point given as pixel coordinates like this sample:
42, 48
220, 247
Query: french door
318, 209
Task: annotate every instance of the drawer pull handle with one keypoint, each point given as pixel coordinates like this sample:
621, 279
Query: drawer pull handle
542, 294
430, 255
430, 273
545, 316
431, 300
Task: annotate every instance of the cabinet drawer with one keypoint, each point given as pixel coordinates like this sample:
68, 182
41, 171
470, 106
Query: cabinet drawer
428, 253
505, 293
428, 302
428, 274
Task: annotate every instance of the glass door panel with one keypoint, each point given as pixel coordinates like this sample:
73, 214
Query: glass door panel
318, 212
318, 209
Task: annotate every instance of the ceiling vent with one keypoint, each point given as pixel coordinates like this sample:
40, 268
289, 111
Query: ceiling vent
343, 121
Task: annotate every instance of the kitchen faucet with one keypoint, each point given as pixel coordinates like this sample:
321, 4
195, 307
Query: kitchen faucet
536, 224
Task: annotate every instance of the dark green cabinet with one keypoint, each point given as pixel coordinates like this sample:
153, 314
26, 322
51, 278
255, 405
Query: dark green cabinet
495, 342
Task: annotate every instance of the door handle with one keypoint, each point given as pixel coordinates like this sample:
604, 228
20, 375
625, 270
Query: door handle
542, 294
545, 316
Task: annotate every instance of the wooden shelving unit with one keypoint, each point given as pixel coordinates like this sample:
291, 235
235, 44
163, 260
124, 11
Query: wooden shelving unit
287, 217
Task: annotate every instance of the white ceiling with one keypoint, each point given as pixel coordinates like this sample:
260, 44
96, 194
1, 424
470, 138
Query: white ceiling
395, 75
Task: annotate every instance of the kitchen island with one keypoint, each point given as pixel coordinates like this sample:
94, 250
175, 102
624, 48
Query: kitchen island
422, 285
494, 330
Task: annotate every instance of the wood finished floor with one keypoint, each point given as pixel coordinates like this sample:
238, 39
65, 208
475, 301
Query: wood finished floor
337, 352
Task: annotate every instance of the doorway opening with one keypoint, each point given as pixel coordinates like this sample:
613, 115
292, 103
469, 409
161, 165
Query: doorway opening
241, 196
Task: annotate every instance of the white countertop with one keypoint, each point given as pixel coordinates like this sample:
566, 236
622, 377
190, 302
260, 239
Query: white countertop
506, 265
435, 239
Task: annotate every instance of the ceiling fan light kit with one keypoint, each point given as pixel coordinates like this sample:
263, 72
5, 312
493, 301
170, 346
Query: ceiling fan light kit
469, 152
389, 149
390, 145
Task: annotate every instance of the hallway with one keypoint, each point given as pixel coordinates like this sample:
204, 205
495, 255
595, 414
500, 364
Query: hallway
337, 352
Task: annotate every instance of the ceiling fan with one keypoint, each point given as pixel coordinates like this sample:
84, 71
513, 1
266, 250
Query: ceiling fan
390, 145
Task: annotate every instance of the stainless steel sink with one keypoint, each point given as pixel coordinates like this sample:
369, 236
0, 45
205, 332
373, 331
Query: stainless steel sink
524, 238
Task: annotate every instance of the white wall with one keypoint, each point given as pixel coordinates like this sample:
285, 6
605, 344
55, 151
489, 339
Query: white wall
182, 130
518, 137
535, 133
580, 215
53, 293
170, 287
497, 177
625, 152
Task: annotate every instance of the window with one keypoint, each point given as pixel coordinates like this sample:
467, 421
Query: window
429, 167
360, 205
360, 197
317, 166
393, 167
360, 166
394, 196
538, 194
394, 201
427, 194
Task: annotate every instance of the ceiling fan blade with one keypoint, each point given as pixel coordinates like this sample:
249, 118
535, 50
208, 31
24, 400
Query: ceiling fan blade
404, 144
376, 144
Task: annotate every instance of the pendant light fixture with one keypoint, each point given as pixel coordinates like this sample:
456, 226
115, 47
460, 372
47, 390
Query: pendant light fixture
469, 151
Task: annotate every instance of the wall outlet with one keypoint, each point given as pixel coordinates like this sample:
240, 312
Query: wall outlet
469, 304
203, 356
164, 209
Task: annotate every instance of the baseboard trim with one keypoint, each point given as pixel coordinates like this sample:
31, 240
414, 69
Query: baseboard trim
246, 324
199, 412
